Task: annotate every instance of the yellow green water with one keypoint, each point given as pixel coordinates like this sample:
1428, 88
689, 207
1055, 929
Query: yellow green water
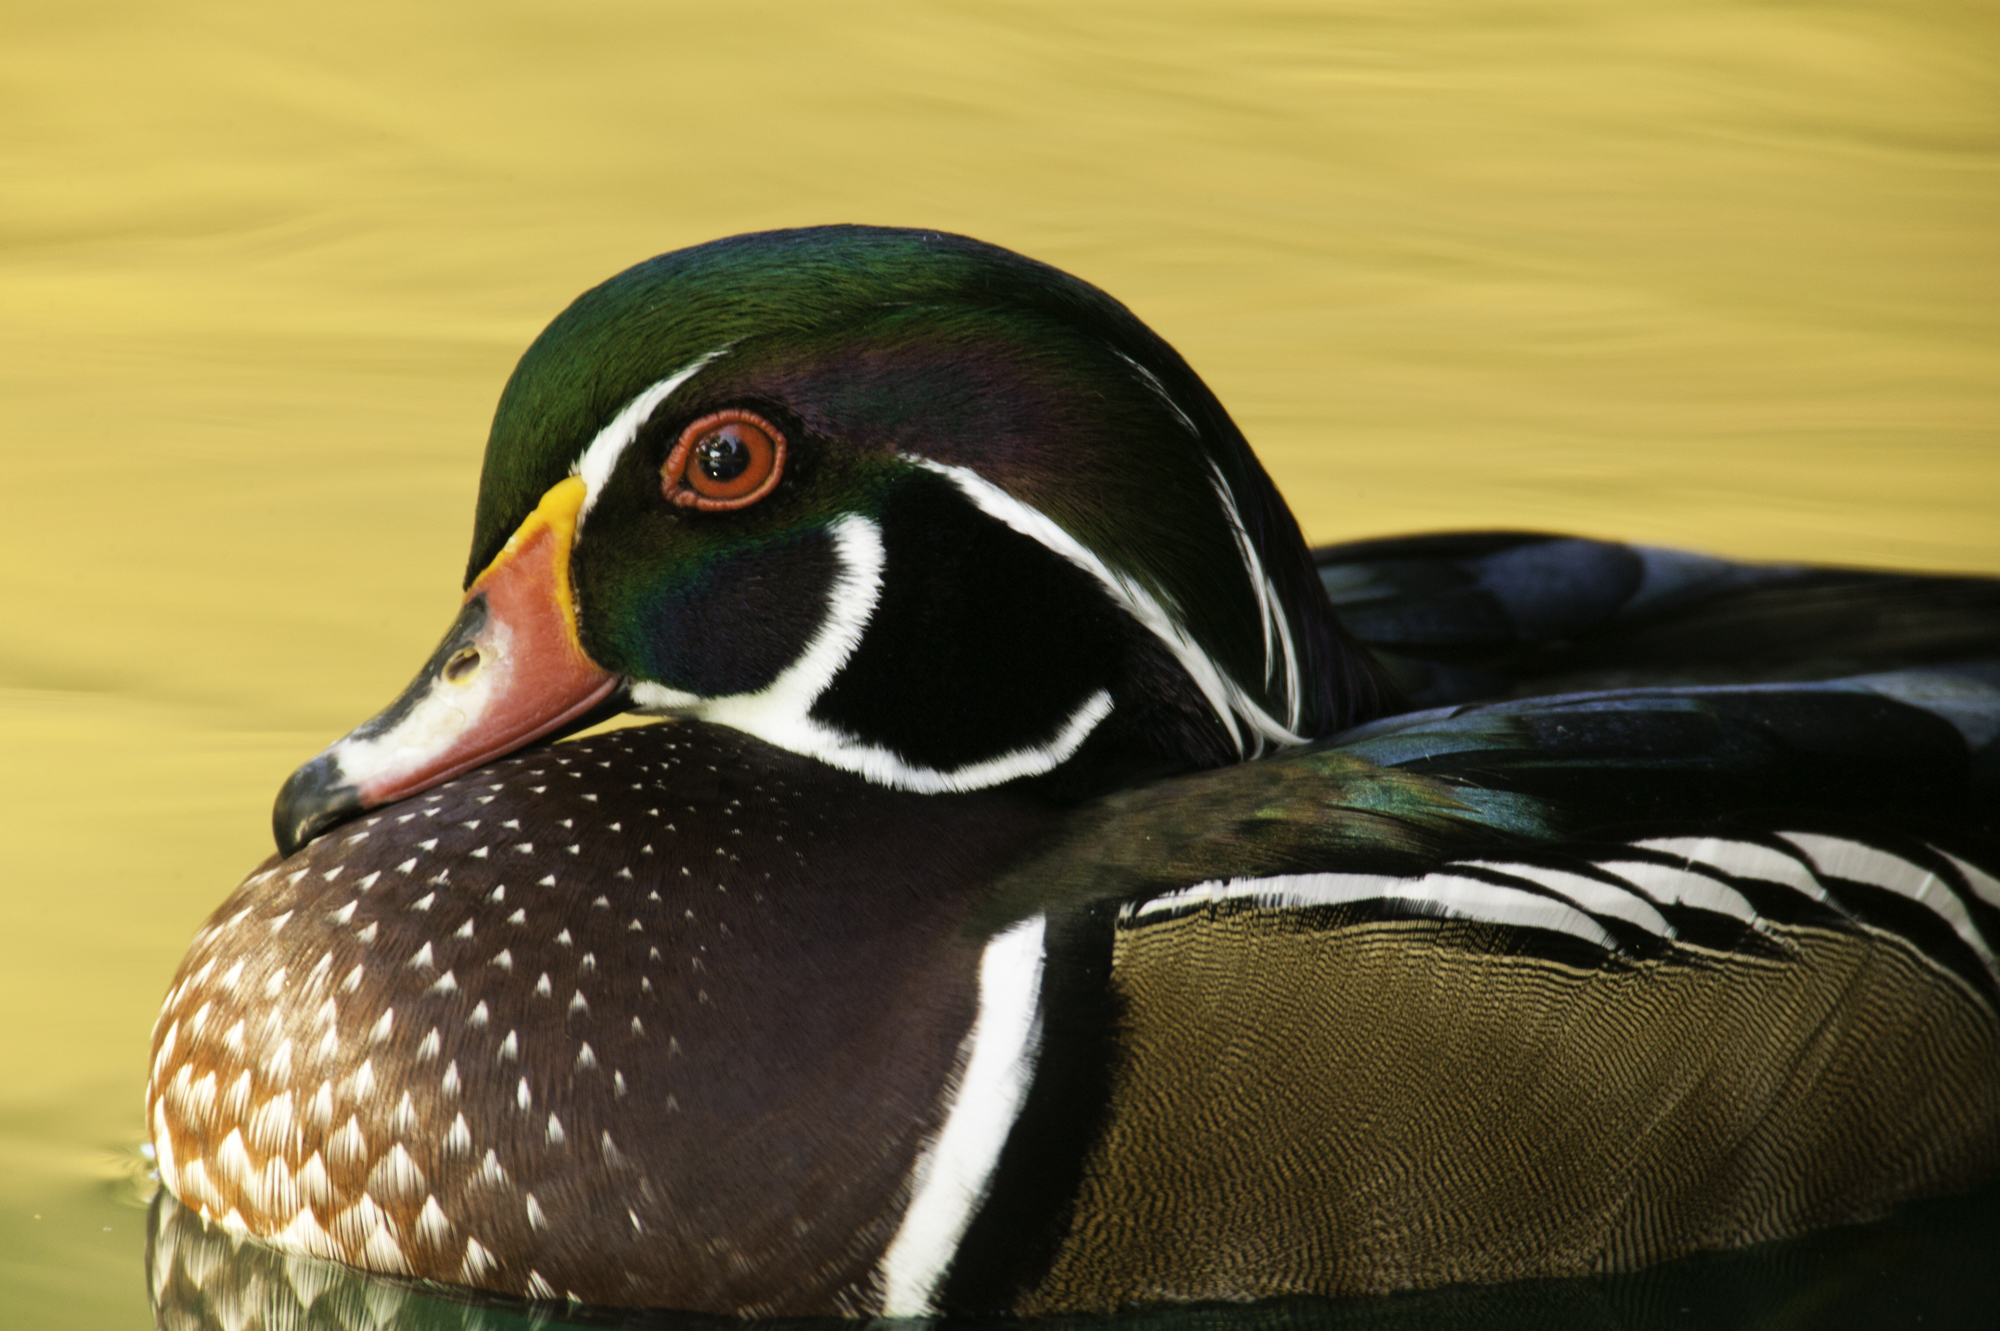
1716, 274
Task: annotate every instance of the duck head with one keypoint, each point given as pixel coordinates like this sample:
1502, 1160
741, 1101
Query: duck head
909, 504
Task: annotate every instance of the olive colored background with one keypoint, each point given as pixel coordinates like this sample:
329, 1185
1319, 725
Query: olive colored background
1716, 274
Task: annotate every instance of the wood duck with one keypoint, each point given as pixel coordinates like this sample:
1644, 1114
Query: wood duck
1053, 888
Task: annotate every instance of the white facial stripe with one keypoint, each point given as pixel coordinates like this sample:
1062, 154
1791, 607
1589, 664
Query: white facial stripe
1837, 857
1277, 626
1225, 697
781, 713
1159, 391
600, 458
953, 1174
1439, 894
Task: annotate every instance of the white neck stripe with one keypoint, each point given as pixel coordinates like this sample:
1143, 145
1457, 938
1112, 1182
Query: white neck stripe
884, 767
781, 712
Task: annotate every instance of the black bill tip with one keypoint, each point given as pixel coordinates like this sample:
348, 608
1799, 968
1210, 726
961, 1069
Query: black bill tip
312, 800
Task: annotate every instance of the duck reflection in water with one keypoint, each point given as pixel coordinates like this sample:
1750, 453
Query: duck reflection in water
1928, 1265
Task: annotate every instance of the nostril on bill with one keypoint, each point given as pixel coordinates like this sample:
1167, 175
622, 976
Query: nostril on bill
464, 663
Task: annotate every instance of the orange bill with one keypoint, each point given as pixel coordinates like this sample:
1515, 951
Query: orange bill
510, 670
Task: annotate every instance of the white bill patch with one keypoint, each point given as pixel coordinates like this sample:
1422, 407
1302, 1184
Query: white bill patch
444, 712
951, 1177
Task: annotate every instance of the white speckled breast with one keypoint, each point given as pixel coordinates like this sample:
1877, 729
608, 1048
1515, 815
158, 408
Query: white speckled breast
663, 1016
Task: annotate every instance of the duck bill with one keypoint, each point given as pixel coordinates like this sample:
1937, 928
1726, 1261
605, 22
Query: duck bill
509, 671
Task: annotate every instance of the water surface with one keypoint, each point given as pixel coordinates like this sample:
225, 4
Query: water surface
1713, 274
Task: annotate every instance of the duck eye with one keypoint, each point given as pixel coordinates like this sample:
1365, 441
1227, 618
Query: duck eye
727, 459
723, 456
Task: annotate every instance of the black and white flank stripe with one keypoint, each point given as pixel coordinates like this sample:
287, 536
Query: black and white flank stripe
1720, 892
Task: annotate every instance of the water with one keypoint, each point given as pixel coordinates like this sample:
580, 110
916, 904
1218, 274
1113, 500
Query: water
1713, 274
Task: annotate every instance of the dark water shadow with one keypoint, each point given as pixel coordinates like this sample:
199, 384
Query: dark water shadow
1930, 1265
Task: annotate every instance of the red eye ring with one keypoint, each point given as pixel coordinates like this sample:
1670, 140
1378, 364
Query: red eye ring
726, 459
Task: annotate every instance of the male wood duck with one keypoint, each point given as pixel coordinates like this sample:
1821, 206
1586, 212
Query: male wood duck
1038, 899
